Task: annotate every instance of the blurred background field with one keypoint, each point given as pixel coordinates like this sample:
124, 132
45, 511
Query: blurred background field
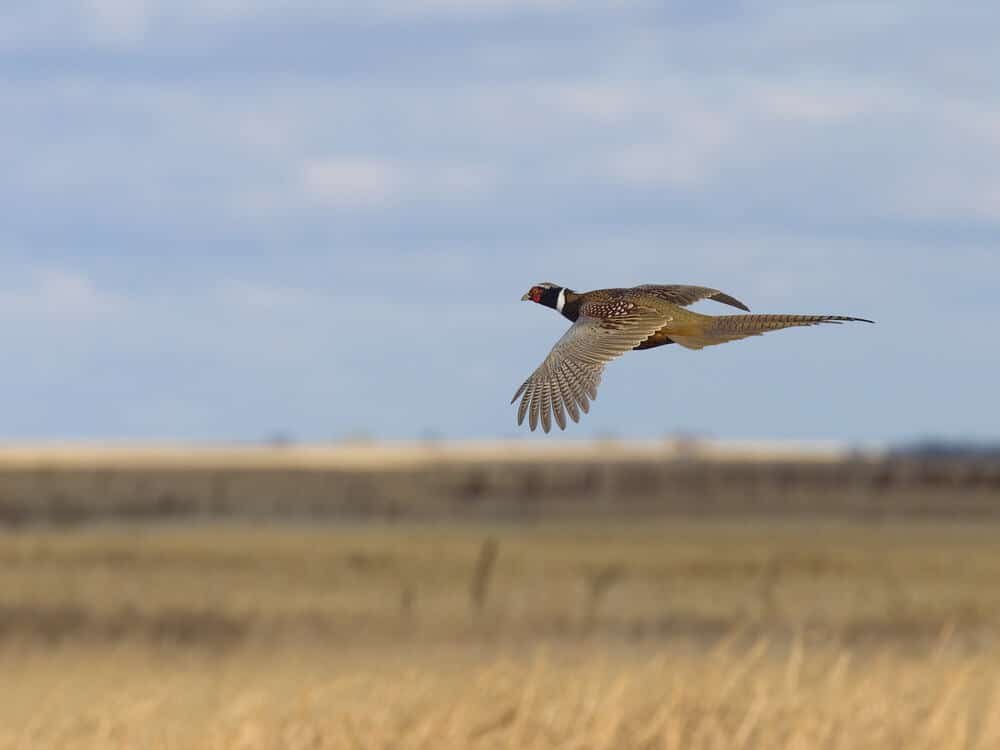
831, 615
494, 480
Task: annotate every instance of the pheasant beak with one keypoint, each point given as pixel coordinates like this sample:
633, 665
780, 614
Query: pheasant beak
526, 296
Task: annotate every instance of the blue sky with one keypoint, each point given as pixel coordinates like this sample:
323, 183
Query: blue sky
228, 219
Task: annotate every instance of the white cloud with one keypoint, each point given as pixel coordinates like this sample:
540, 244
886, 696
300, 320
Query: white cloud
266, 131
690, 158
26, 24
407, 8
119, 21
458, 181
822, 100
603, 102
949, 195
350, 181
356, 182
793, 104
261, 297
58, 294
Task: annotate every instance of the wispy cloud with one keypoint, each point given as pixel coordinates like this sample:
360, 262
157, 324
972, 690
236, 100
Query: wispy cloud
351, 181
262, 297
825, 101
119, 21
687, 157
54, 294
356, 182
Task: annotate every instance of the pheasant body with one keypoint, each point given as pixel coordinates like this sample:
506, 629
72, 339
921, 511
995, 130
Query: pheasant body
609, 322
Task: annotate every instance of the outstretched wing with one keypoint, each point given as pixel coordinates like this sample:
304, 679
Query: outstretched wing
568, 378
680, 294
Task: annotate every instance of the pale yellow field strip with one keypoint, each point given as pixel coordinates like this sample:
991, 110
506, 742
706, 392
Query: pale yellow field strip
378, 455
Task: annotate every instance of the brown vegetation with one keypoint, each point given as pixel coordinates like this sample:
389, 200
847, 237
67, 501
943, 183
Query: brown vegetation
509, 481
654, 635
594, 597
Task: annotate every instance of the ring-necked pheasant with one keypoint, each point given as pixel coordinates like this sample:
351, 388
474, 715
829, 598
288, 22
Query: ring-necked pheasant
609, 322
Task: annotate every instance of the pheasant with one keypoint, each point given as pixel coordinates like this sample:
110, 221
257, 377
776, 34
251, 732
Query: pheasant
609, 322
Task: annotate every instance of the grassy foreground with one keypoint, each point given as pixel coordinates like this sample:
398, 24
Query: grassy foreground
680, 635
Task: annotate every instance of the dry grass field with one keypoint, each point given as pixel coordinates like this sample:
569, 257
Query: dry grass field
712, 634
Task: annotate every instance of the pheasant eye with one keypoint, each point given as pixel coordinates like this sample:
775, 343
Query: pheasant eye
536, 294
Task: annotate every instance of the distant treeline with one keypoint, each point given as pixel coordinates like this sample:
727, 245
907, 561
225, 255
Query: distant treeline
913, 485
943, 448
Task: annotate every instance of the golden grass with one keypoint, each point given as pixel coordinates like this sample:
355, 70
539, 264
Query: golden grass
680, 635
395, 454
740, 693
632, 578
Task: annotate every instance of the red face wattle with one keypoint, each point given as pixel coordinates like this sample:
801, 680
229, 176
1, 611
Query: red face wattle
536, 293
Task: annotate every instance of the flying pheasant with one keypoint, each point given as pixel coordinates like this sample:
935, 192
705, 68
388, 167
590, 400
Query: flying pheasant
609, 322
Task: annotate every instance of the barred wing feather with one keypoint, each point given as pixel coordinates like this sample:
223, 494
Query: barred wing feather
567, 380
684, 295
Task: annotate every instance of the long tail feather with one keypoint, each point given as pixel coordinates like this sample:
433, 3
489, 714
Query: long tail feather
752, 324
725, 328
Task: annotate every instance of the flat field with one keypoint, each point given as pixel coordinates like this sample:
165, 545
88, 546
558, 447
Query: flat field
711, 634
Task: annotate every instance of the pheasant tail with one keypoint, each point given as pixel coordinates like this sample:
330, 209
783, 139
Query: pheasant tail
723, 328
